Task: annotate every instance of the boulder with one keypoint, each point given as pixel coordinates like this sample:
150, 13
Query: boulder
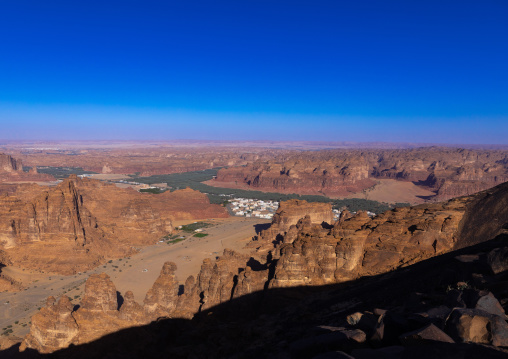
429, 333
477, 326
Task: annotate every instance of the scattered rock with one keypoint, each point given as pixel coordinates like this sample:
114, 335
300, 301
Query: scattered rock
477, 326
429, 333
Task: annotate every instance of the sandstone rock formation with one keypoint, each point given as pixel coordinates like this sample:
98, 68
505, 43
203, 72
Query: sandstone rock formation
448, 172
362, 245
144, 159
81, 223
162, 298
186, 204
9, 164
331, 178
59, 325
310, 254
53, 327
11, 170
287, 215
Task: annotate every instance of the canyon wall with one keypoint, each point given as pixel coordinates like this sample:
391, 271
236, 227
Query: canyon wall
448, 172
305, 253
153, 160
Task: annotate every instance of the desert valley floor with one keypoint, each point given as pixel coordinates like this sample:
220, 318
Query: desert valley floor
136, 273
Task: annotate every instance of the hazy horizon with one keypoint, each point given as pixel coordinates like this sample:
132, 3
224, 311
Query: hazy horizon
395, 71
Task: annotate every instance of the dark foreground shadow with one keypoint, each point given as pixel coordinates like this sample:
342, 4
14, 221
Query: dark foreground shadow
273, 323
260, 227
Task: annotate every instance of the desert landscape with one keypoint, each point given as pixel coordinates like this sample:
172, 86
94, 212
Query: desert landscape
246, 180
82, 254
135, 273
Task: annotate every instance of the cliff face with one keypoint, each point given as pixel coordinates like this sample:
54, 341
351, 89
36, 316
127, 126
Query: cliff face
81, 222
12, 170
448, 172
9, 164
147, 160
305, 253
331, 178
362, 246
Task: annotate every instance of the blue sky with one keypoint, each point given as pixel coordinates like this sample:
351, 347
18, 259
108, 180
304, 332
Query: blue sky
401, 71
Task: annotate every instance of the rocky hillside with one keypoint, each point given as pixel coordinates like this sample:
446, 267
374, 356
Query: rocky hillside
448, 172
81, 223
146, 161
302, 295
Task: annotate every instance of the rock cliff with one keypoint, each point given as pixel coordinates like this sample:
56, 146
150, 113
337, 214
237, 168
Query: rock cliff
11, 170
308, 253
146, 160
81, 223
448, 172
9, 164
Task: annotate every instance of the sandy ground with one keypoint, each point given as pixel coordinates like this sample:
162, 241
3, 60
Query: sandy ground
136, 273
391, 191
43, 183
233, 233
385, 190
137, 187
108, 176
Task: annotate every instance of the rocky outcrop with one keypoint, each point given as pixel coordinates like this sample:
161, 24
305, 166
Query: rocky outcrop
144, 159
362, 245
9, 164
11, 170
290, 212
449, 172
310, 254
54, 327
161, 299
81, 223
60, 325
287, 216
330, 178
186, 204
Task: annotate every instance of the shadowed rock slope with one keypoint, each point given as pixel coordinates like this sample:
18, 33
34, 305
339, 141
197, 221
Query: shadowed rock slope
321, 289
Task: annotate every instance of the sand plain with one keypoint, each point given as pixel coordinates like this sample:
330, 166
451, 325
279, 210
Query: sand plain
392, 191
136, 273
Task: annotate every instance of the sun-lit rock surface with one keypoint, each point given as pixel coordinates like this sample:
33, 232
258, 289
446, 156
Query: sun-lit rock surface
11, 170
81, 223
446, 171
314, 254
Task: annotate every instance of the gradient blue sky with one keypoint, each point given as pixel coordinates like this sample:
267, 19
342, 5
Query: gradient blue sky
403, 71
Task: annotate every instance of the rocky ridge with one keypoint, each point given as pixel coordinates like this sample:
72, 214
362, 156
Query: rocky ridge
146, 161
335, 173
305, 255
